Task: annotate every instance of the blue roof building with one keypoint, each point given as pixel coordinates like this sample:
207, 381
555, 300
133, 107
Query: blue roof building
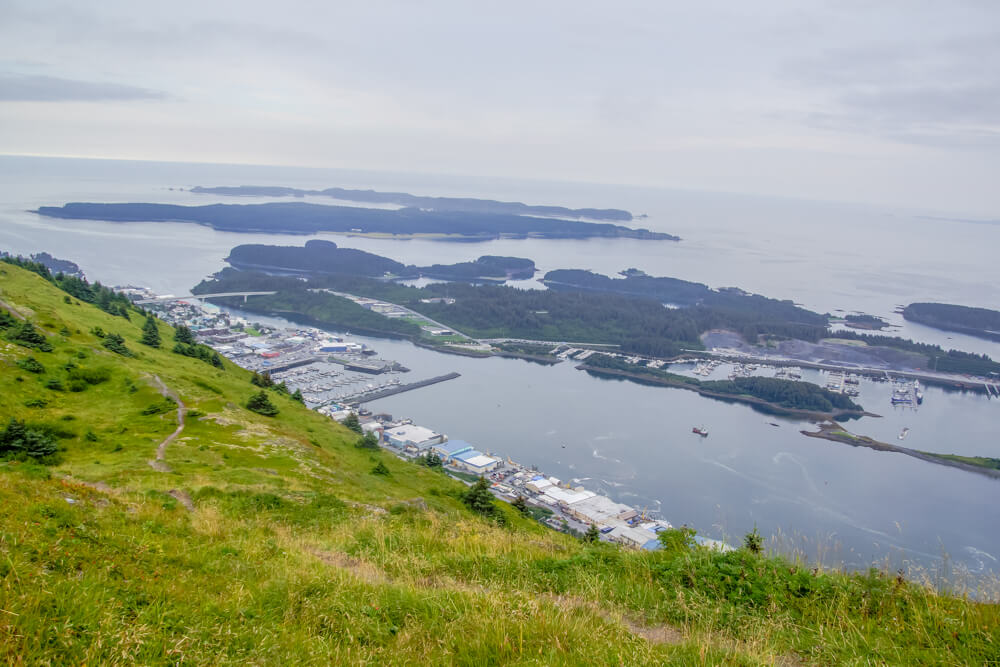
452, 448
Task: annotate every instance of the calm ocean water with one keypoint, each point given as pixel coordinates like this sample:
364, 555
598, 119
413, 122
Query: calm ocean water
826, 500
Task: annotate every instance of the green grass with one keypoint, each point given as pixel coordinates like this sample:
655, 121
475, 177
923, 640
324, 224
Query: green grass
845, 341
981, 461
295, 553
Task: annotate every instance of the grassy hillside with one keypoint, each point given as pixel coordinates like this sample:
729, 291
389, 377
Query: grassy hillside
268, 540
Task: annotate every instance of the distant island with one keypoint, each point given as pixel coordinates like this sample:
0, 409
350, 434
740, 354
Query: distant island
980, 322
303, 218
319, 257
462, 204
863, 321
53, 264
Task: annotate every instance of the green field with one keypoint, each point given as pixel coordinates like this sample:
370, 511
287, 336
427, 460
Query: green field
269, 541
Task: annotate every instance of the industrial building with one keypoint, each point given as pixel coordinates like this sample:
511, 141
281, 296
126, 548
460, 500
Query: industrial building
413, 438
446, 450
475, 462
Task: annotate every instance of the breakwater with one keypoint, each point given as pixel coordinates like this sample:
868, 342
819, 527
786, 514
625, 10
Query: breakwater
399, 389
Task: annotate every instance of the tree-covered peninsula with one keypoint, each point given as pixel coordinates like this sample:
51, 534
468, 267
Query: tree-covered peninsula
303, 218
981, 322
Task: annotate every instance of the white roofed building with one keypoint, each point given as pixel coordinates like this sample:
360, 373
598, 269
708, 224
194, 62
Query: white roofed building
413, 438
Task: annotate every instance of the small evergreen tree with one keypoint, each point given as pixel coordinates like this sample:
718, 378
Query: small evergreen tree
297, 396
150, 333
520, 505
753, 542
261, 404
367, 441
592, 535
381, 469
262, 380
182, 334
479, 499
351, 422
217, 360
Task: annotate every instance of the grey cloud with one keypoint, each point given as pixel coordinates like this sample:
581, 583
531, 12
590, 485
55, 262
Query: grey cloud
40, 88
978, 103
942, 93
960, 116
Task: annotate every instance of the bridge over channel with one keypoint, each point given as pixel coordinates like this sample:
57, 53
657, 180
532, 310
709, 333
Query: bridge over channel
186, 297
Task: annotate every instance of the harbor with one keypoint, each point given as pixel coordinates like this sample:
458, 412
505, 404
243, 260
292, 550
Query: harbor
332, 372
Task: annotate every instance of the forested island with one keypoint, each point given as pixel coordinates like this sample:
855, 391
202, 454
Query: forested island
463, 204
863, 321
683, 293
53, 264
320, 257
773, 395
981, 322
303, 218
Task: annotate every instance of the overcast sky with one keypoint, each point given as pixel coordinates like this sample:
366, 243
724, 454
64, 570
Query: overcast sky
881, 101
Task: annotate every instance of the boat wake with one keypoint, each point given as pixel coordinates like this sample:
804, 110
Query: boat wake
979, 556
783, 456
598, 455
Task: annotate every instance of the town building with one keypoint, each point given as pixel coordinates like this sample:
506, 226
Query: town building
413, 438
446, 450
475, 462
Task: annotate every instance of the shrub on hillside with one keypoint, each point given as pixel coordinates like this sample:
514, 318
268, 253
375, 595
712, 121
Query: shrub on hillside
261, 404
28, 336
116, 344
22, 442
31, 365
